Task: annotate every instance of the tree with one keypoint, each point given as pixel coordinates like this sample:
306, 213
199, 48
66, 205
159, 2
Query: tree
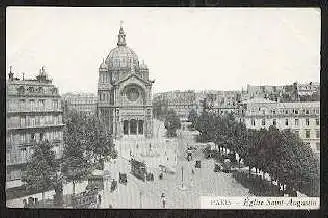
240, 141
301, 170
98, 140
76, 162
206, 125
192, 117
42, 169
160, 108
172, 123
253, 140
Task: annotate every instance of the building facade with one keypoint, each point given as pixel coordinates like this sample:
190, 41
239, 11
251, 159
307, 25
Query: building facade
286, 93
82, 102
221, 102
125, 92
34, 113
182, 102
308, 91
303, 118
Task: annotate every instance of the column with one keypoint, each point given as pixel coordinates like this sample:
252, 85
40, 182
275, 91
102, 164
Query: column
129, 127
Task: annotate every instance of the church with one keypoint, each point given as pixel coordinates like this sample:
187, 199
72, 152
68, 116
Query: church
125, 92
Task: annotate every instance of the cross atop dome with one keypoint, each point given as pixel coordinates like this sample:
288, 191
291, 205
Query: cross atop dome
121, 36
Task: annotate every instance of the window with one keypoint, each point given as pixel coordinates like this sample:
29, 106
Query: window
317, 134
40, 90
22, 121
274, 122
296, 111
286, 122
317, 146
307, 112
263, 122
297, 132
307, 134
42, 103
32, 136
296, 122
32, 104
55, 104
317, 121
307, 122
286, 111
273, 112
54, 91
22, 104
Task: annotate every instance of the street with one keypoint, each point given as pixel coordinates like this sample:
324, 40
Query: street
139, 194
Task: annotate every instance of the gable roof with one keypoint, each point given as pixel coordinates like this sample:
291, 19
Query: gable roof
137, 77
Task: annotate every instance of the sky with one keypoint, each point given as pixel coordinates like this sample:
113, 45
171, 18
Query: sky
184, 48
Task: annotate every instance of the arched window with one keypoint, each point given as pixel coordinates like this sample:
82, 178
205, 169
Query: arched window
30, 89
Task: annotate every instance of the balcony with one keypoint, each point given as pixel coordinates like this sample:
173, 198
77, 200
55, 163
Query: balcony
36, 126
33, 110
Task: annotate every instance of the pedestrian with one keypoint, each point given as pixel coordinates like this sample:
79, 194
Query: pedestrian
99, 200
25, 203
30, 202
192, 171
163, 199
36, 202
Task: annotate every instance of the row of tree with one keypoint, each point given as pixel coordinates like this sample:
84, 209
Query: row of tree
172, 123
160, 108
87, 144
281, 154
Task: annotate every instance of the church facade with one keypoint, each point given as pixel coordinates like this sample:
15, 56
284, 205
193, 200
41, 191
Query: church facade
125, 92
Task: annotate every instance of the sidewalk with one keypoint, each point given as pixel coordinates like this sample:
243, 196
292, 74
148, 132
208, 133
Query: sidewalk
67, 189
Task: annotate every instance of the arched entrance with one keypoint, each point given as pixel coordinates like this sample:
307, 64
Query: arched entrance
126, 127
140, 127
133, 127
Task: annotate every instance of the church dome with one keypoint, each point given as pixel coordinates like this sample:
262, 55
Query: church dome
122, 56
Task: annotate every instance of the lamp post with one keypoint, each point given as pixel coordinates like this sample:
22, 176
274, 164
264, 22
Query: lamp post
140, 194
182, 175
182, 185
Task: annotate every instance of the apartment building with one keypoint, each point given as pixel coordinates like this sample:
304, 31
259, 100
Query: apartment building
80, 102
34, 113
301, 117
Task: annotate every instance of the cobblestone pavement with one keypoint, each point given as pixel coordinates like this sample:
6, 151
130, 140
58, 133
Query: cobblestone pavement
139, 194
